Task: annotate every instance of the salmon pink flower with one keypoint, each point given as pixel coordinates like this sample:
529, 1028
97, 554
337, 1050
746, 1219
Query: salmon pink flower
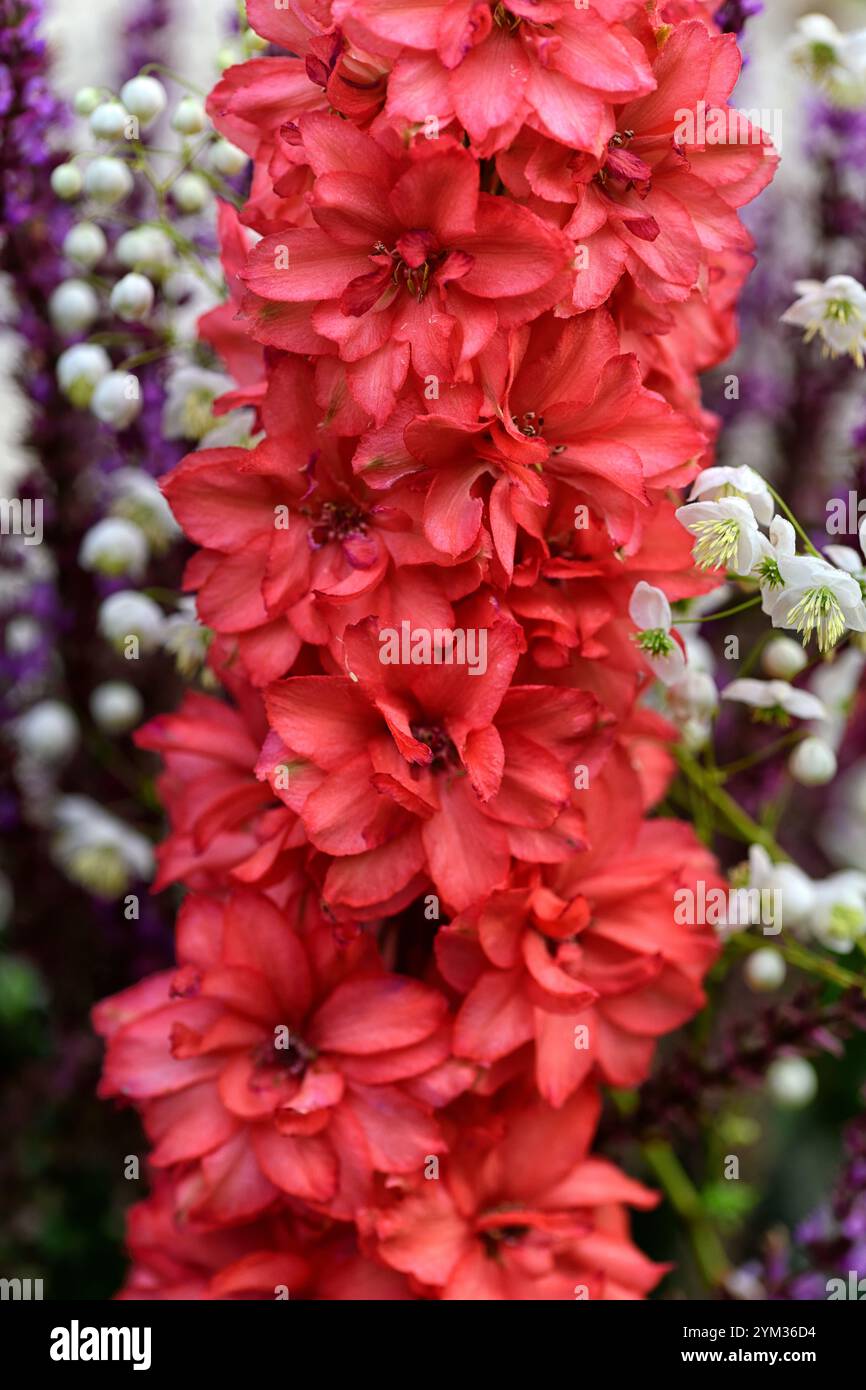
271, 1063
224, 823
520, 1211
407, 262
588, 961
410, 772
561, 408
173, 1261
275, 1255
426, 913
296, 547
556, 66
664, 192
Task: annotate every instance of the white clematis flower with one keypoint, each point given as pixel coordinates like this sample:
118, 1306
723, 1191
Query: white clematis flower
650, 612
839, 918
188, 411
835, 310
836, 683
97, 850
726, 534
775, 698
815, 597
713, 483
795, 887
780, 544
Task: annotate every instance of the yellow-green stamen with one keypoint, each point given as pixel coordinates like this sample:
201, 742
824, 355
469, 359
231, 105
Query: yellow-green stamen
818, 611
717, 543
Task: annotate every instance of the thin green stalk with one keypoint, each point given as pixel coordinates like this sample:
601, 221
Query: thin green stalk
686, 1202
726, 613
802, 958
743, 764
794, 522
747, 829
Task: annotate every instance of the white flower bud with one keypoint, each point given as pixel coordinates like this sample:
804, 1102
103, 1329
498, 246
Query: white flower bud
146, 249
66, 181
86, 100
813, 763
117, 400
765, 970
137, 496
116, 706
130, 614
108, 121
783, 658
190, 192
144, 97
132, 298
792, 1082
85, 243
113, 547
694, 696
96, 849
22, 635
73, 307
80, 369
696, 734
228, 159
190, 117
48, 731
108, 180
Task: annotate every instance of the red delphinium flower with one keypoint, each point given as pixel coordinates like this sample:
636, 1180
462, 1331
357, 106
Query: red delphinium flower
172, 1260
664, 192
520, 1210
571, 593
560, 407
243, 357
225, 825
677, 341
277, 1255
463, 921
296, 546
407, 261
553, 65
585, 959
435, 771
271, 1063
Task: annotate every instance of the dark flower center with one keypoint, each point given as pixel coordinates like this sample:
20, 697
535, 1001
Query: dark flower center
337, 521
434, 736
529, 423
293, 1059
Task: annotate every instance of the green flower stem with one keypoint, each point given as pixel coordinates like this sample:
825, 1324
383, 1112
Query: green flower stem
743, 764
802, 958
140, 359
164, 71
686, 1202
726, 613
746, 828
783, 506
749, 662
